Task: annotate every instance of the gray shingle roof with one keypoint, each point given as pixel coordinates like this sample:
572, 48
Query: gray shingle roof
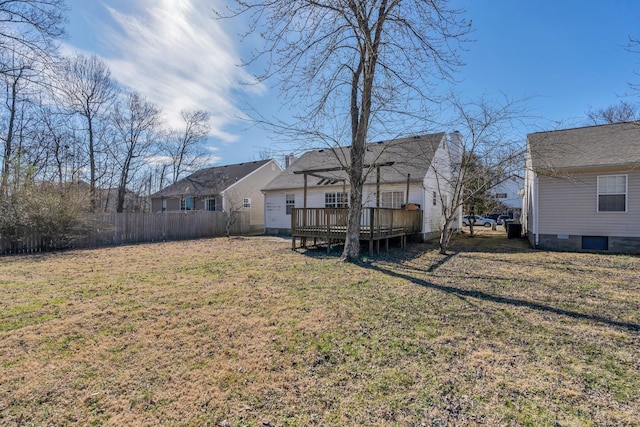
411, 155
586, 147
210, 181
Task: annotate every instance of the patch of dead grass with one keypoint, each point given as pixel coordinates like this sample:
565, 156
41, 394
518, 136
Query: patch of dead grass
244, 331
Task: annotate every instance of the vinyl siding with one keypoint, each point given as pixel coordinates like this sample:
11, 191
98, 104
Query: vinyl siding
172, 204
249, 187
568, 206
433, 218
529, 201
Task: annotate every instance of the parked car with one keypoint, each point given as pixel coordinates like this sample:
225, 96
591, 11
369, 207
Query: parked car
479, 221
502, 218
493, 216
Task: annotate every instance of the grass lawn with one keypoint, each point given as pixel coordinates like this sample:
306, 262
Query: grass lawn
244, 331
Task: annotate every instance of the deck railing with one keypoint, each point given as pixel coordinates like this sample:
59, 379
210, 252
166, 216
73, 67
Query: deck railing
375, 223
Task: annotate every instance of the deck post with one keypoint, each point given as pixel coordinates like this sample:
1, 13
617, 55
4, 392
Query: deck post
378, 187
303, 240
371, 224
406, 203
294, 214
315, 239
327, 220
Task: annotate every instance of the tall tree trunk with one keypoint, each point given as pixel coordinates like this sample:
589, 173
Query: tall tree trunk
445, 235
352, 240
92, 166
122, 185
359, 128
8, 147
122, 192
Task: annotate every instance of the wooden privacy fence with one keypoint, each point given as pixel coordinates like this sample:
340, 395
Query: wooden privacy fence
123, 228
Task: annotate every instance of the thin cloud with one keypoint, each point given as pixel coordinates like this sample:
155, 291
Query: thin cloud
177, 55
206, 159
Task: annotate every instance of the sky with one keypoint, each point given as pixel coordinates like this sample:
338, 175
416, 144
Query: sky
565, 57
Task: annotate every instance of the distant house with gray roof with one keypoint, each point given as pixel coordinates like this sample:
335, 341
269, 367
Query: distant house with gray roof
412, 171
582, 188
221, 188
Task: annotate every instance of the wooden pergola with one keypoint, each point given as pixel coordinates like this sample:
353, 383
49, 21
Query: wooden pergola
330, 224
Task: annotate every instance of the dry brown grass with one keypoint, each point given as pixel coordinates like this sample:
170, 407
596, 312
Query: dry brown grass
244, 331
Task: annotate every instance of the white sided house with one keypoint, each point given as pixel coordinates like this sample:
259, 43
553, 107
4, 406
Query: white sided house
411, 173
508, 194
582, 189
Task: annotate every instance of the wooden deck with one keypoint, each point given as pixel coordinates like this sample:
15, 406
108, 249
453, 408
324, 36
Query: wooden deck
376, 225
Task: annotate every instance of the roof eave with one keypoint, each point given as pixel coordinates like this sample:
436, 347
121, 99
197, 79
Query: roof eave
588, 168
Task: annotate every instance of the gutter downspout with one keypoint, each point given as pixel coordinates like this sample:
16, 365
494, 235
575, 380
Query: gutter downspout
536, 208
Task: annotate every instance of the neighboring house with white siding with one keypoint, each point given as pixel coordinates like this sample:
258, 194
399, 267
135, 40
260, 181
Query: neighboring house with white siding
414, 172
582, 189
508, 193
221, 188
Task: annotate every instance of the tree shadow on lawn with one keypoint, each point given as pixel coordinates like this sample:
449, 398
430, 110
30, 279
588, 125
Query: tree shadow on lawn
503, 300
488, 241
482, 242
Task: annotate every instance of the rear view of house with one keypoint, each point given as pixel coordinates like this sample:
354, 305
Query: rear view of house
407, 173
221, 188
582, 189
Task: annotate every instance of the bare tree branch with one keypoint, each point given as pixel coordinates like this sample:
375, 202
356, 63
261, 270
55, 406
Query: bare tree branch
348, 65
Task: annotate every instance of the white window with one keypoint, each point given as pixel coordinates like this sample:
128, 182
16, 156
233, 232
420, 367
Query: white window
211, 204
392, 199
501, 195
186, 203
612, 193
290, 203
336, 200
164, 205
246, 202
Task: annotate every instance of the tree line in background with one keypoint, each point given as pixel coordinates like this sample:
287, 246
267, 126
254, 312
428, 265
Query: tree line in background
73, 139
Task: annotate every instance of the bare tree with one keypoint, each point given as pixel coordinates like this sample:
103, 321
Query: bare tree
184, 147
232, 207
355, 65
618, 113
88, 90
485, 153
29, 28
28, 33
22, 89
13, 84
137, 122
56, 137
